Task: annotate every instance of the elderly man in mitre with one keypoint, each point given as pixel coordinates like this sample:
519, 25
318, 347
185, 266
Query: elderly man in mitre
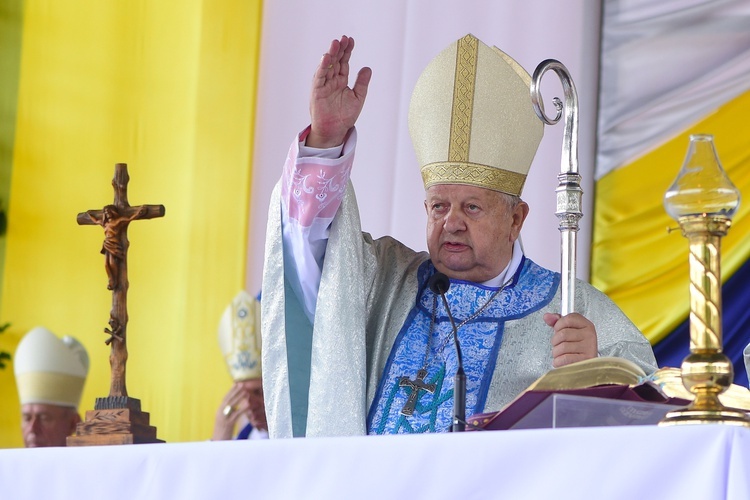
354, 339
241, 414
50, 375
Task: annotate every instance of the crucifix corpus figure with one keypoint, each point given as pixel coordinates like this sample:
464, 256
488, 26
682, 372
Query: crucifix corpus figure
114, 224
115, 219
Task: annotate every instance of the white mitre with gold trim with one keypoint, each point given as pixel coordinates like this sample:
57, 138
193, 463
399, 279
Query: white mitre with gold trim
239, 337
472, 121
50, 370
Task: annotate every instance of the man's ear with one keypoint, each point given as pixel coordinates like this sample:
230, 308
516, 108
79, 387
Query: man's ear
520, 212
75, 419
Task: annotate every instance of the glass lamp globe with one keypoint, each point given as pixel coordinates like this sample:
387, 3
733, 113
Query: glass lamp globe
702, 186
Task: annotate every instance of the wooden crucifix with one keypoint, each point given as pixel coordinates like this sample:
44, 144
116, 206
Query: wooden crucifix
125, 421
115, 219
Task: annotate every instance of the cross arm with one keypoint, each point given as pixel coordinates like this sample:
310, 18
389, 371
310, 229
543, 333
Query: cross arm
94, 217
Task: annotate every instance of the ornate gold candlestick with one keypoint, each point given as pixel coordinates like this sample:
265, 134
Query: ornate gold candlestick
703, 200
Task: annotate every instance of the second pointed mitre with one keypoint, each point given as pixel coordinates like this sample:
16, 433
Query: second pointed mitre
49, 369
472, 121
239, 337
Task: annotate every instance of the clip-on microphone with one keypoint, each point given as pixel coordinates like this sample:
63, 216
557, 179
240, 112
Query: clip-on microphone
439, 284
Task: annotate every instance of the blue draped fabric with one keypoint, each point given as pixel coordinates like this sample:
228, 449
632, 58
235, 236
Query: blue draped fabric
735, 296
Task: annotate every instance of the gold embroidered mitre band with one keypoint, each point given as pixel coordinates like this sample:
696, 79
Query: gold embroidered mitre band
471, 119
50, 370
239, 337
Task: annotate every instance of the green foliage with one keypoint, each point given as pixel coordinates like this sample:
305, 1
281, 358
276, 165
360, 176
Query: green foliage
4, 356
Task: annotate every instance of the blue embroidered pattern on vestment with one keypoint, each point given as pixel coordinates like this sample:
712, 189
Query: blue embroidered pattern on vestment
480, 341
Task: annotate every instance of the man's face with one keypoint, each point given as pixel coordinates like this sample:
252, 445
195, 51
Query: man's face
256, 411
471, 230
47, 425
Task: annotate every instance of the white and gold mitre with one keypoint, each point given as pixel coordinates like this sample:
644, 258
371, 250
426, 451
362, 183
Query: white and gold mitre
472, 121
239, 337
50, 370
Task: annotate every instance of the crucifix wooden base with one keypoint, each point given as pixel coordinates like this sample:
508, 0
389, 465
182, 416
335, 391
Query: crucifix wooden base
114, 420
117, 419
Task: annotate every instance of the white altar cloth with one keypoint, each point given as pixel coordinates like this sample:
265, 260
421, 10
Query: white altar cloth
635, 462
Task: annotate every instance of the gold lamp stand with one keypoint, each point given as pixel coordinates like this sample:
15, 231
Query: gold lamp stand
703, 200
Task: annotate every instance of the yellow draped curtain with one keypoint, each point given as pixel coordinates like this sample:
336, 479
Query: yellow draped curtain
169, 89
641, 266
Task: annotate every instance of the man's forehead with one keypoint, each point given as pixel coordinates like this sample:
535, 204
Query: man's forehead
251, 383
463, 191
40, 408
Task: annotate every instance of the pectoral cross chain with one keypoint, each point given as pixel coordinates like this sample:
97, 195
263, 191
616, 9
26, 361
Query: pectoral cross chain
418, 384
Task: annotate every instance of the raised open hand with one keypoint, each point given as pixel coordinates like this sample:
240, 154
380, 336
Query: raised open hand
334, 107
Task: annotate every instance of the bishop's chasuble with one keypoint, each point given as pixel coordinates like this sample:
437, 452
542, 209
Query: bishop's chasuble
369, 349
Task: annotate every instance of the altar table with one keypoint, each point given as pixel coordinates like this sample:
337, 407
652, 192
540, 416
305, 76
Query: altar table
633, 462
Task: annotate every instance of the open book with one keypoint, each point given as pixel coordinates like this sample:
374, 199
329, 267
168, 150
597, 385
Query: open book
610, 378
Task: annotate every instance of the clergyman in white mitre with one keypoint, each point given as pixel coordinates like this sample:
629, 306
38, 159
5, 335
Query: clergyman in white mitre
50, 375
239, 340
